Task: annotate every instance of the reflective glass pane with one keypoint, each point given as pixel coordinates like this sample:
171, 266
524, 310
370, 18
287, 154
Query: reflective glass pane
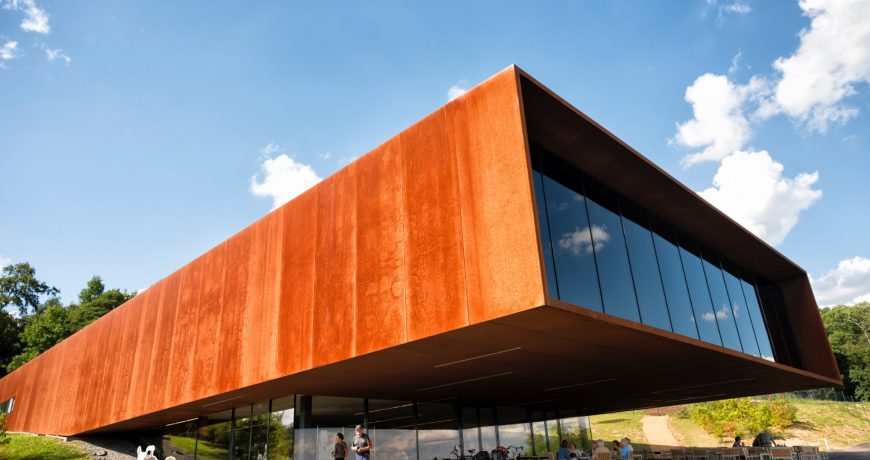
552, 434
674, 280
761, 334
391, 427
242, 433
575, 433
319, 419
281, 429
546, 242
213, 442
645, 270
487, 429
608, 241
514, 430
179, 439
700, 294
259, 430
722, 306
438, 430
572, 245
470, 432
741, 314
539, 435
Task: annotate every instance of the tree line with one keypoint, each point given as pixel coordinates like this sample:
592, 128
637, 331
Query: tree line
33, 318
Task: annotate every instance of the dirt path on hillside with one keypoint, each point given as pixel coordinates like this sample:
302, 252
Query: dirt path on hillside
655, 428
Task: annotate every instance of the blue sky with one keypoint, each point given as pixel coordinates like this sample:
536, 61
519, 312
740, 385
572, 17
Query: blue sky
130, 132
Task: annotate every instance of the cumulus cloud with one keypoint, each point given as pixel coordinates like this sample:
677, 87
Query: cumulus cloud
750, 187
848, 283
812, 87
52, 54
580, 241
833, 57
8, 51
283, 177
35, 18
457, 90
719, 124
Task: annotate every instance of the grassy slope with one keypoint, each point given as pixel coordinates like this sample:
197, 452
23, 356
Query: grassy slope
619, 425
842, 424
26, 447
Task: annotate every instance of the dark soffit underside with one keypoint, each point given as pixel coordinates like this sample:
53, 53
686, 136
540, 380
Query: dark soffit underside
556, 357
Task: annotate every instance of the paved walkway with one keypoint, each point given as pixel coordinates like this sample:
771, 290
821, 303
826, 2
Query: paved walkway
655, 428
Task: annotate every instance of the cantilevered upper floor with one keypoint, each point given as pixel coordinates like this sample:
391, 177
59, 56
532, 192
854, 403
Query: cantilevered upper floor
505, 250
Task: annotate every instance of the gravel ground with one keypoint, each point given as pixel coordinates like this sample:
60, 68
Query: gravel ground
112, 447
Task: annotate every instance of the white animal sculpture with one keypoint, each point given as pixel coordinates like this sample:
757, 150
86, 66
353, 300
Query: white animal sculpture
148, 454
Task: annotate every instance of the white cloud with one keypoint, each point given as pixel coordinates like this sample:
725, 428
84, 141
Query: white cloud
735, 63
8, 51
580, 241
283, 177
736, 7
724, 10
719, 124
849, 283
750, 187
834, 56
53, 54
326, 155
4, 261
35, 18
457, 90
721, 313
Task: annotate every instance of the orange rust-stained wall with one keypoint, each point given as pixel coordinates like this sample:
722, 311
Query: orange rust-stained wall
432, 231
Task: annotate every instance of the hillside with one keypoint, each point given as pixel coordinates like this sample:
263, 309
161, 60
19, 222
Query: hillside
840, 424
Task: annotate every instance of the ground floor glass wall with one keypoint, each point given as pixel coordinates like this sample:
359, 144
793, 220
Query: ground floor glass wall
304, 427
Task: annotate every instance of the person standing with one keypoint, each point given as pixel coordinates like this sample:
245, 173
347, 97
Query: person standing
339, 452
361, 445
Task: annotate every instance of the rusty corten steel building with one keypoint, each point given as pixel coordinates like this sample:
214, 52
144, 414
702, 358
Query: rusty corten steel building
505, 257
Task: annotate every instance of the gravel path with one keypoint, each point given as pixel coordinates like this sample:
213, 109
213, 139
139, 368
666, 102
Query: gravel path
656, 431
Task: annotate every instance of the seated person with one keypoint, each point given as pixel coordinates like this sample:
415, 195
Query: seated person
626, 449
738, 442
762, 440
563, 453
600, 448
614, 448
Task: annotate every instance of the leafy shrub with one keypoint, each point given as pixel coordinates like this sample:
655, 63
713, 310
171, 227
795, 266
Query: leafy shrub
743, 416
3, 437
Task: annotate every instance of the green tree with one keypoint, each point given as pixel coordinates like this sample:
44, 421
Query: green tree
95, 302
848, 329
43, 331
94, 289
20, 288
10, 343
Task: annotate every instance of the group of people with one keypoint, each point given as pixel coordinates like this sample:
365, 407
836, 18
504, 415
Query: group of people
618, 449
361, 445
762, 439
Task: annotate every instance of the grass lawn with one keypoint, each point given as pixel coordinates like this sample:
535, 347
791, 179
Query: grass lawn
841, 424
26, 447
619, 425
